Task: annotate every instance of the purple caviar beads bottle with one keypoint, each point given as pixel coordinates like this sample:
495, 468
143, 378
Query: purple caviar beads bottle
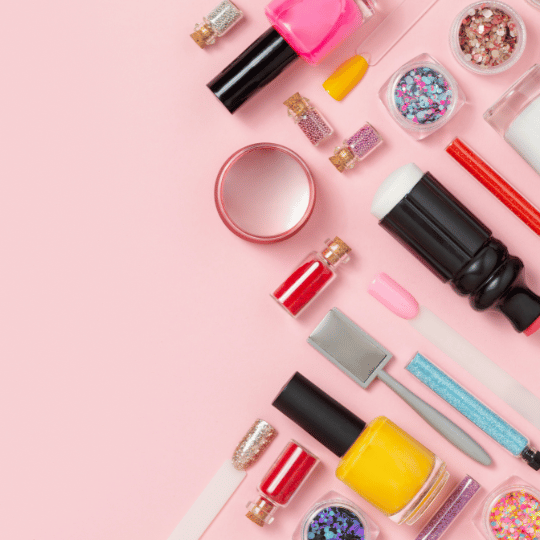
308, 119
356, 148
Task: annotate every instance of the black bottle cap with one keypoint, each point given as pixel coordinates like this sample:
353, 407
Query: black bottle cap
259, 64
531, 457
320, 415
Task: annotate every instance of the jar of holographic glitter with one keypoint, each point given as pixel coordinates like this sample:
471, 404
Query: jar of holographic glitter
488, 37
510, 512
333, 516
422, 96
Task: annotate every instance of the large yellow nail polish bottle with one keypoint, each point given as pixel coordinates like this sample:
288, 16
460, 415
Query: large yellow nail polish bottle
381, 462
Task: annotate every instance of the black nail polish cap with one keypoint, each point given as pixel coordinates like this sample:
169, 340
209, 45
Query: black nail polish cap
320, 415
258, 65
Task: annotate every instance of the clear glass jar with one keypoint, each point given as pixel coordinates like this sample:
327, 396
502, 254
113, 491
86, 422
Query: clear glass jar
513, 505
422, 96
487, 64
516, 116
340, 515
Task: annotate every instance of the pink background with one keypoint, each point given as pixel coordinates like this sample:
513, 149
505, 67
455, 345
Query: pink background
137, 336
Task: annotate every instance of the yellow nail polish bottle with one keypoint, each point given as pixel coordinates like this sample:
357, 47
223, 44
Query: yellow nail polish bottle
381, 462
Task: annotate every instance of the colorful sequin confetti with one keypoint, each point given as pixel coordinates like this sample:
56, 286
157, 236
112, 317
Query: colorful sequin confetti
487, 36
423, 95
516, 516
336, 523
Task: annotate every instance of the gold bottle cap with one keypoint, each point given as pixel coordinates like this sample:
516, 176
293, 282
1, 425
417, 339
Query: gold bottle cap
343, 159
252, 446
297, 104
203, 36
260, 512
336, 250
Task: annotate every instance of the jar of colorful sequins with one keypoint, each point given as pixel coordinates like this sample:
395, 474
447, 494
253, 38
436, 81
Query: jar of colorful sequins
510, 512
488, 37
422, 96
333, 516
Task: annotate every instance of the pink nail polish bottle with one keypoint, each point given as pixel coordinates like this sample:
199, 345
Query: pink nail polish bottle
310, 29
314, 28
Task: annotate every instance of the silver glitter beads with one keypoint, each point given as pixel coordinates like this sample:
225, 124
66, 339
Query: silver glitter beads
217, 23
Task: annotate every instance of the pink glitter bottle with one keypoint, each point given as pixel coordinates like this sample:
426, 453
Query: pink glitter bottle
356, 148
308, 119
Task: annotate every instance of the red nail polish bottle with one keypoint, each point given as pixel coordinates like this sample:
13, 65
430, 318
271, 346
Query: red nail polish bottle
288, 473
313, 275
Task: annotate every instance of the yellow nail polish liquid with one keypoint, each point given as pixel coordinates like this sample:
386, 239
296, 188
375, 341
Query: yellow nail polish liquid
380, 461
392, 471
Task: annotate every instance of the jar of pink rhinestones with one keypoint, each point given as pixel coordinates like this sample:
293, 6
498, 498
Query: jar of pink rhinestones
488, 37
510, 512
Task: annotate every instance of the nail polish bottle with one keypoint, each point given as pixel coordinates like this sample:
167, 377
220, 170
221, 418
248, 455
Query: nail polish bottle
455, 245
309, 29
308, 119
311, 277
282, 481
380, 461
216, 24
356, 148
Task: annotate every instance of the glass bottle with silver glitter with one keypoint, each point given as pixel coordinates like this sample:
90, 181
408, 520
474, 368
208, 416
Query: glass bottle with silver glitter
217, 23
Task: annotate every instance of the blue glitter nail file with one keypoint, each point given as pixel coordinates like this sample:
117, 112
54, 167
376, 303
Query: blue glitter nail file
462, 400
336, 523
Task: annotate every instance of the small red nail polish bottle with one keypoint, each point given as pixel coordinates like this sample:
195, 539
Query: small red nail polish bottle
288, 473
311, 277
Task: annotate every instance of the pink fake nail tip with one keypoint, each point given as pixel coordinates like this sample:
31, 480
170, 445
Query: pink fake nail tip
394, 296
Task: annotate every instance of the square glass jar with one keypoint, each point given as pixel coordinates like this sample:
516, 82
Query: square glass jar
513, 505
332, 514
483, 62
422, 96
